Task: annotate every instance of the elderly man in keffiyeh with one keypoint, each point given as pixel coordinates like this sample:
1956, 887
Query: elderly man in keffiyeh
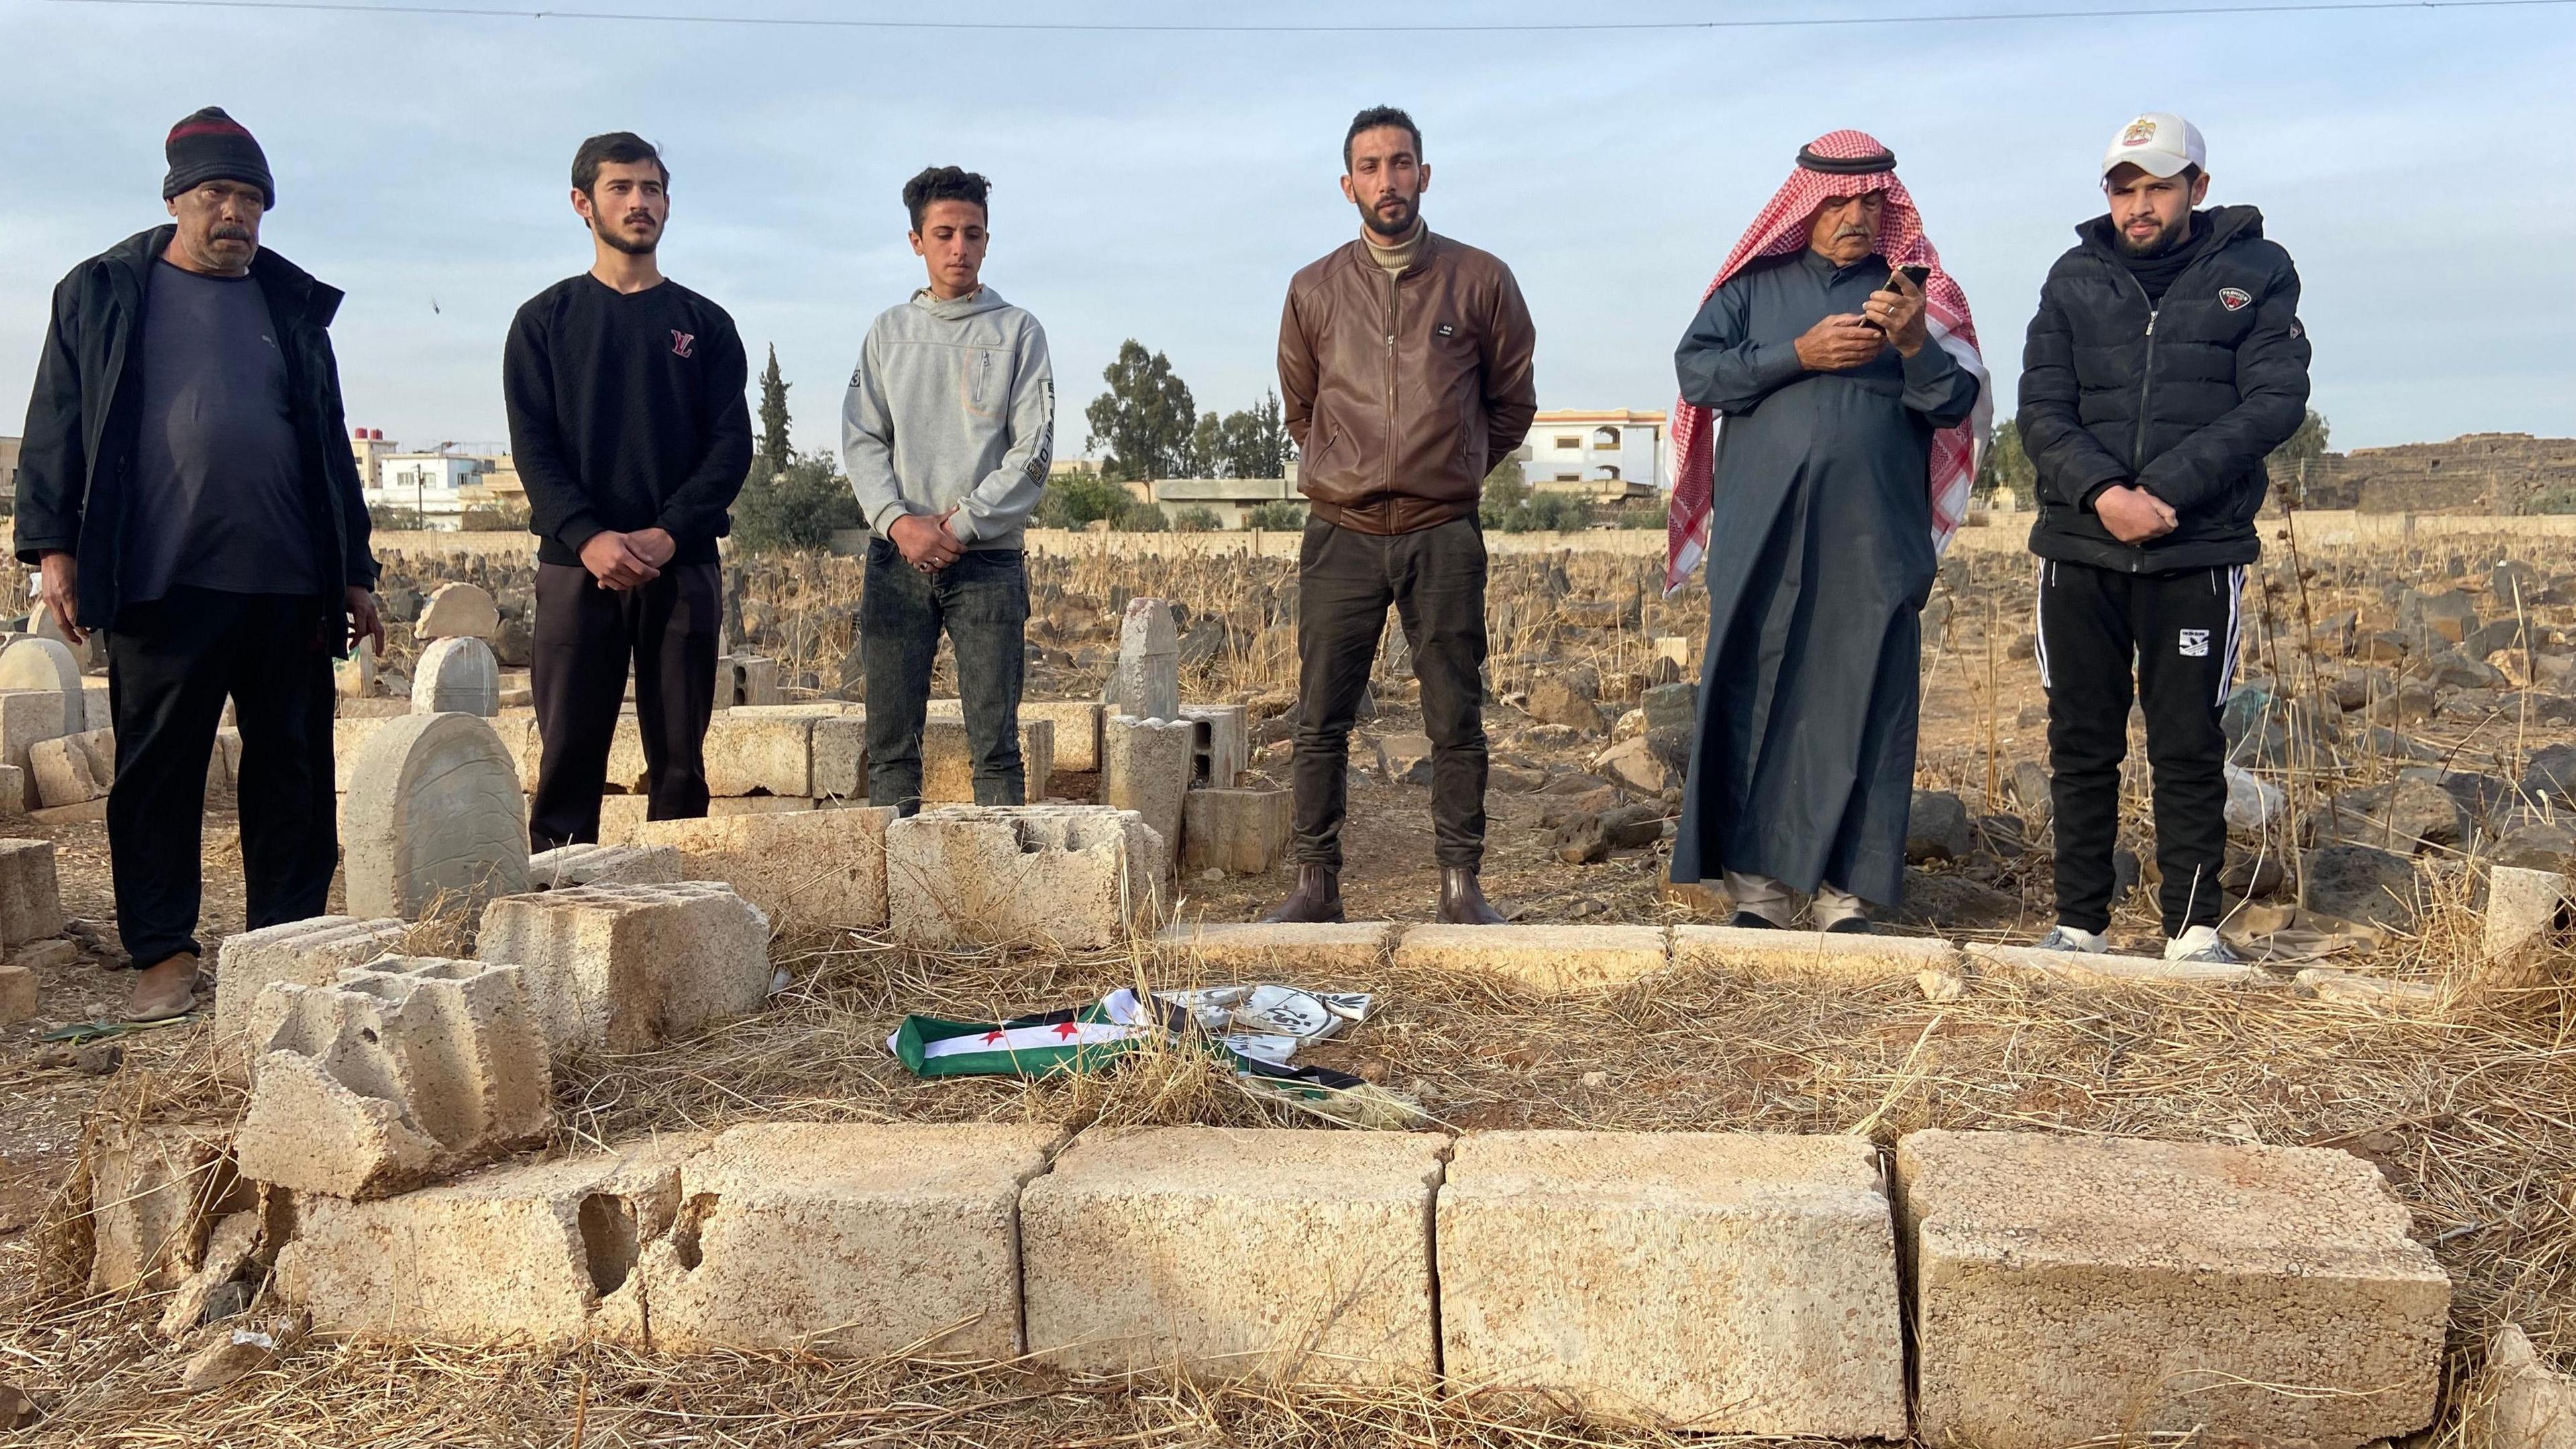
1854, 407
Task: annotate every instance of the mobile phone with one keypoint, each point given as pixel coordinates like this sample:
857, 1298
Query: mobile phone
1916, 274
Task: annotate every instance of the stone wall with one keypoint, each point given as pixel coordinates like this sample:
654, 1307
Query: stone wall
2495, 473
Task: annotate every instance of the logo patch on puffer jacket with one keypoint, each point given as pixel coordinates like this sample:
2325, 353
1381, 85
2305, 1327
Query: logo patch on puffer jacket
2235, 299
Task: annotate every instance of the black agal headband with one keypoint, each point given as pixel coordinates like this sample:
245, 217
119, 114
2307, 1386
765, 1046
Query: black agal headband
1810, 160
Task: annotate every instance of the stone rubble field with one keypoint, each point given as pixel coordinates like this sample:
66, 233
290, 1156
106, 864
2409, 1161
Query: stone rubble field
605, 1146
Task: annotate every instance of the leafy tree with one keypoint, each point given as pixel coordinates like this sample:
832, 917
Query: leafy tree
1146, 421
2007, 467
1204, 458
1511, 505
795, 507
1282, 513
1253, 443
1197, 518
1077, 499
387, 518
774, 454
1141, 517
2306, 445
1506, 488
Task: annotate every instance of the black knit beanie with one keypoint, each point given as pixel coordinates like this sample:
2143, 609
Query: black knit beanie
211, 146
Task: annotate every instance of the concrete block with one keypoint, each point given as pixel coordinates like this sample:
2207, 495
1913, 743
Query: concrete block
26, 716
2083, 968
1240, 832
300, 953
621, 968
1145, 767
2072, 1287
1220, 743
73, 769
434, 819
2523, 906
1733, 1283
13, 790
31, 903
2529, 1407
840, 755
760, 755
848, 1239
31, 663
518, 735
458, 611
349, 739
1079, 876
458, 674
153, 1191
1810, 955
1265, 1253
512, 1254
394, 1075
948, 760
809, 870
1543, 958
745, 679
584, 865
1351, 951
17, 993
1077, 731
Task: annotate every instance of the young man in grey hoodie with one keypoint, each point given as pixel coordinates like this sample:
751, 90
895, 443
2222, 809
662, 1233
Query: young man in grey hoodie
947, 431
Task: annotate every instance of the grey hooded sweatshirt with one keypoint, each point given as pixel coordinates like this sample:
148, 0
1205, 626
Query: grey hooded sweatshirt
952, 405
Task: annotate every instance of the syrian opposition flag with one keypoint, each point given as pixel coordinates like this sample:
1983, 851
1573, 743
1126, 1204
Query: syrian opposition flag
1077, 1038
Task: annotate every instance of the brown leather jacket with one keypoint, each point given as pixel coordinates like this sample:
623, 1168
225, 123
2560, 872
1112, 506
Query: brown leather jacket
1402, 391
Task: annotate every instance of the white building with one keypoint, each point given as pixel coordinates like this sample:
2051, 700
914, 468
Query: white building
1605, 456
434, 485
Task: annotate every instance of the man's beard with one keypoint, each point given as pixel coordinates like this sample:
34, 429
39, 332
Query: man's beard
1395, 230
2159, 244
632, 245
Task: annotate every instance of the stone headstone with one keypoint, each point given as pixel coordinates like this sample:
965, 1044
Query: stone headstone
355, 676
458, 611
91, 652
434, 818
457, 675
42, 663
1148, 682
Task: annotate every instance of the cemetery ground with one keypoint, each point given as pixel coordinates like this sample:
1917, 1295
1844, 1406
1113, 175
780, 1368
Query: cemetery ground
2411, 752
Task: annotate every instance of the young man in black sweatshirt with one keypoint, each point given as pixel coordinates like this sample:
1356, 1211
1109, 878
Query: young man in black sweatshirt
629, 428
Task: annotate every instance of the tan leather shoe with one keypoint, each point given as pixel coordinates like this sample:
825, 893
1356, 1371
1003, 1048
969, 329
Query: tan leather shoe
163, 991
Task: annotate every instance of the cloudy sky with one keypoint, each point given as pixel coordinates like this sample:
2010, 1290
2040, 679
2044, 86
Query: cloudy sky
1163, 186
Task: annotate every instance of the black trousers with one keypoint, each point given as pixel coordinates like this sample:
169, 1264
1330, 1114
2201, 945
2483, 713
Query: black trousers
2180, 630
1435, 578
982, 601
583, 639
170, 666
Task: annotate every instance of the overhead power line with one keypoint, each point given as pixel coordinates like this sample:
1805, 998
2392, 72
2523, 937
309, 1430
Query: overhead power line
1124, 27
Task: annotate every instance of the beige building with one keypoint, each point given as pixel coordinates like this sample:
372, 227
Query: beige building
1616, 455
1230, 499
372, 450
9, 468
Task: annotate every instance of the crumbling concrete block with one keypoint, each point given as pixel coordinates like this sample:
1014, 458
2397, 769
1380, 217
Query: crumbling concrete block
434, 819
1543, 958
1080, 876
517, 730
1241, 832
808, 870
583, 865
73, 769
460, 675
948, 760
2084, 968
513, 1254
458, 611
840, 755
1076, 741
13, 790
760, 754
1845, 960
26, 716
2523, 906
1145, 767
153, 1190
31, 903
1220, 743
1268, 1253
1731, 1283
301, 953
847, 1239
2528, 1406
745, 679
621, 968
1261, 950
395, 1074
17, 993
2066, 1288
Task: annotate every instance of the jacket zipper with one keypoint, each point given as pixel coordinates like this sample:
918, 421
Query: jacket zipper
1394, 311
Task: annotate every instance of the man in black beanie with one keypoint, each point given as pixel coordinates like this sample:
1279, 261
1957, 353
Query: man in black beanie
187, 486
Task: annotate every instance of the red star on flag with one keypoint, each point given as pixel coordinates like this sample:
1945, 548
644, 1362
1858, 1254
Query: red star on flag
997, 1034
1067, 1029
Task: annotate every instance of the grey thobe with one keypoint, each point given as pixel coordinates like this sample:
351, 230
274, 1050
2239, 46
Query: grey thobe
1819, 561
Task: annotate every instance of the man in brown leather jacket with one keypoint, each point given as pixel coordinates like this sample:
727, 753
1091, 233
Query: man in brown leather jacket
1404, 361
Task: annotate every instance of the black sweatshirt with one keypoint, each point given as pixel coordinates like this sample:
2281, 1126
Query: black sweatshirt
626, 412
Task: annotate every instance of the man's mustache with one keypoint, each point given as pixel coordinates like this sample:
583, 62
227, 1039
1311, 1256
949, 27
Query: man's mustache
230, 233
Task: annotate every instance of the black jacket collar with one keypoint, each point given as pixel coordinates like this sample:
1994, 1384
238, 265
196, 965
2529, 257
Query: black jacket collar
286, 284
2227, 225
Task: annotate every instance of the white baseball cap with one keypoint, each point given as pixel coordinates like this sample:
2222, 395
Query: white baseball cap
2158, 143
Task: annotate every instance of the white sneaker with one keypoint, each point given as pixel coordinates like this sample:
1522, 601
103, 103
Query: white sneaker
2202, 944
2063, 937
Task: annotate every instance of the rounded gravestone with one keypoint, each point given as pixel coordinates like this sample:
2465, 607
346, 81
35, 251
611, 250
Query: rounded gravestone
434, 819
457, 676
458, 611
41, 663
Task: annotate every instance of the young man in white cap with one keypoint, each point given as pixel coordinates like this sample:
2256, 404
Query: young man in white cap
2166, 361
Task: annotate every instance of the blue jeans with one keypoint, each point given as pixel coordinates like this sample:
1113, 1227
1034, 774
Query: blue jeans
982, 600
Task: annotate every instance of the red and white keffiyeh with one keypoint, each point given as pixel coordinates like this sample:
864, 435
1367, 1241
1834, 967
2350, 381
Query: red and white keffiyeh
1780, 230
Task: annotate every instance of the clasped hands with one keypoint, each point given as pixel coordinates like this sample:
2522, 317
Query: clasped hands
925, 541
621, 561
2133, 514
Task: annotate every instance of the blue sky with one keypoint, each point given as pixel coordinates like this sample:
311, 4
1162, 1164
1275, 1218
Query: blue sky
1165, 186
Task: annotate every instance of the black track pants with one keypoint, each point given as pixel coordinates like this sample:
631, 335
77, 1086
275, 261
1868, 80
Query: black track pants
585, 638
2179, 632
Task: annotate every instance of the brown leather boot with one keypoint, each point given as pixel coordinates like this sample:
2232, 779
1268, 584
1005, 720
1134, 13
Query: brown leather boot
163, 990
1462, 901
1318, 897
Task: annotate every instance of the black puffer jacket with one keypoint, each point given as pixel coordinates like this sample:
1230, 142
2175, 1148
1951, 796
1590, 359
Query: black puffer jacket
2184, 399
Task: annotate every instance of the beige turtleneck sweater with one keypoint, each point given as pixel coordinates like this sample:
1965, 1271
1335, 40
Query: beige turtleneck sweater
1396, 258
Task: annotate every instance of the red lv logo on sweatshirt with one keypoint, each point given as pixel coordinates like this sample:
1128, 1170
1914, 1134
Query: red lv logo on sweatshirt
681, 342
